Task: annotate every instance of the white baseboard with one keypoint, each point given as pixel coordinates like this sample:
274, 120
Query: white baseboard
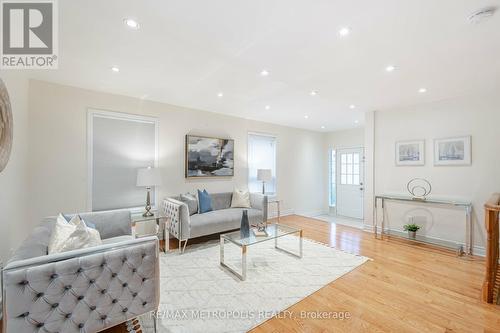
313, 213
476, 250
285, 212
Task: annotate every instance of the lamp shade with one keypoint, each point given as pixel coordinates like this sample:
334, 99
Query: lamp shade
264, 175
149, 177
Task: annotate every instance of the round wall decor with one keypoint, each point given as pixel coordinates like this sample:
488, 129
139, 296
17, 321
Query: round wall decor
6, 126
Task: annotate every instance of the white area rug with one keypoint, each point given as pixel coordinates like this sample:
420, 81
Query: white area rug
198, 295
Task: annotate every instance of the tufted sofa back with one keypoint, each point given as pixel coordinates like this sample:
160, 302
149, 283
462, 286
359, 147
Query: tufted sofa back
85, 290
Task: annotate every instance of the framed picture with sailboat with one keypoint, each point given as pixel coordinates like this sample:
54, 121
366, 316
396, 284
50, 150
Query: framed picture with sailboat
453, 151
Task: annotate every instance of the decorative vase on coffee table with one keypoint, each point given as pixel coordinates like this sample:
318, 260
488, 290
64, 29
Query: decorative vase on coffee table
412, 234
245, 226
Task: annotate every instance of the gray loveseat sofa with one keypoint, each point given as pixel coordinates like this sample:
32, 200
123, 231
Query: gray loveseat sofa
222, 218
85, 290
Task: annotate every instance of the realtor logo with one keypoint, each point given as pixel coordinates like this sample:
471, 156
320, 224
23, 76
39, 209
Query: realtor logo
29, 34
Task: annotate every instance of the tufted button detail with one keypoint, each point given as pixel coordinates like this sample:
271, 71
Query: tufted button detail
103, 264
80, 325
23, 283
144, 279
123, 260
39, 295
92, 307
134, 270
143, 255
67, 287
79, 270
125, 284
144, 303
103, 291
53, 276
113, 275
103, 317
125, 310
39, 325
23, 315
134, 295
80, 298
68, 315
114, 301
91, 281
55, 305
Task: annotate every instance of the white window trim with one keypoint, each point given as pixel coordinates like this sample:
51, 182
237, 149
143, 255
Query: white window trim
91, 113
275, 137
332, 177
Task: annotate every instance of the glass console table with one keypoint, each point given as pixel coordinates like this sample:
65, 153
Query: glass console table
274, 232
381, 230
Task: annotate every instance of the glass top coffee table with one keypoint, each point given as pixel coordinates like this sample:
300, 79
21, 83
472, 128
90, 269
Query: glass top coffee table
274, 232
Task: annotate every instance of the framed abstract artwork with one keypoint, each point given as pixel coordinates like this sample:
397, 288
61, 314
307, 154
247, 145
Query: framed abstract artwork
410, 152
453, 151
209, 157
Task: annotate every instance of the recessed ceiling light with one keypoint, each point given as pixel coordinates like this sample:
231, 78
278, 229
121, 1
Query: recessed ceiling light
220, 94
322, 127
267, 107
306, 117
115, 69
422, 90
356, 121
264, 72
352, 106
390, 68
313, 93
344, 31
131, 23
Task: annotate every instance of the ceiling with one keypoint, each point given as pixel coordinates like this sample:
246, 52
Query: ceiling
186, 52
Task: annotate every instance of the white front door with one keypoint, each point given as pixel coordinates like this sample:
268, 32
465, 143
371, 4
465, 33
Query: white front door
350, 182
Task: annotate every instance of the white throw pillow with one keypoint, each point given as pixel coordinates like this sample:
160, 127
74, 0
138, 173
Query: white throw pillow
72, 235
241, 199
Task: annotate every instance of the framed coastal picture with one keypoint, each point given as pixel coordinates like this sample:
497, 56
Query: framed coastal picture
209, 157
410, 152
453, 151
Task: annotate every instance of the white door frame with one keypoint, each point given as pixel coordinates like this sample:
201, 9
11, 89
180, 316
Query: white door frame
337, 176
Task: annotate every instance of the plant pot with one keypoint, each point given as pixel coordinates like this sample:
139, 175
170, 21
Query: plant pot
412, 234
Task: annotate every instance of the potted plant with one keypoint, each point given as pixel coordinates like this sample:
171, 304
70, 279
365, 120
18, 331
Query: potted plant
412, 229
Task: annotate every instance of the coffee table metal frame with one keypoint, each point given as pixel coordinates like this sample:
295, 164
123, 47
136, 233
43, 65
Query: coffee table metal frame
275, 231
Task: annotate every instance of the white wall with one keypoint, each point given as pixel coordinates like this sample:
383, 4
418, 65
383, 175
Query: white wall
478, 116
58, 161
14, 221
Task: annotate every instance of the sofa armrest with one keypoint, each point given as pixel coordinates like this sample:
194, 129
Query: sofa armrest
177, 213
259, 201
120, 280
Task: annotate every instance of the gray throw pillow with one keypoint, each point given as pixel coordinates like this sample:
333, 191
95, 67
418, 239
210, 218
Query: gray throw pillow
191, 201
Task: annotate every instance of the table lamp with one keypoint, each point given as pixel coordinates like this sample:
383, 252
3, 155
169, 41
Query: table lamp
148, 177
265, 176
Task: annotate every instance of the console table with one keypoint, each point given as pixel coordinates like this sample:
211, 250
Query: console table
465, 205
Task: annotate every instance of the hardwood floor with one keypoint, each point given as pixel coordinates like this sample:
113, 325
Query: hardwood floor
405, 288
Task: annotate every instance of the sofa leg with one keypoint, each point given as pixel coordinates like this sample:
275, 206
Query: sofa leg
184, 248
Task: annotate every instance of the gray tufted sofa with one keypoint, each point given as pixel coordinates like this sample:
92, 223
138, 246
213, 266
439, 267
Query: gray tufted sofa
86, 290
222, 218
